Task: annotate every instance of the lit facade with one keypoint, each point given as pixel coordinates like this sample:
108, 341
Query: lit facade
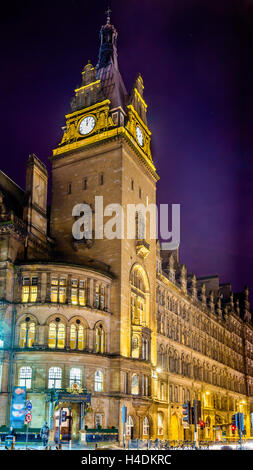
120, 318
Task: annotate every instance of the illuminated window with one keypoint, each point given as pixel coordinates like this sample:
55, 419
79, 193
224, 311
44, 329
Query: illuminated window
77, 339
145, 426
25, 377
135, 384
54, 377
34, 289
160, 424
78, 292
52, 335
100, 339
56, 335
54, 289
82, 300
27, 335
99, 301
62, 290
29, 289
81, 337
61, 336
98, 381
75, 376
73, 336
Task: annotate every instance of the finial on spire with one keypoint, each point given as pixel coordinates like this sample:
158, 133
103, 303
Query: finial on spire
107, 12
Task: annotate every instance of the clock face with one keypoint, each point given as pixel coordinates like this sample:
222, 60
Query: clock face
139, 136
87, 125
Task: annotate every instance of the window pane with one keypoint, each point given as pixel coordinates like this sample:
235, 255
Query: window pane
73, 337
22, 335
25, 293
52, 336
61, 336
81, 338
31, 335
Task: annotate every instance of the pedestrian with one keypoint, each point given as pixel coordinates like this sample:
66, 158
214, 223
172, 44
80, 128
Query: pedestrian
44, 433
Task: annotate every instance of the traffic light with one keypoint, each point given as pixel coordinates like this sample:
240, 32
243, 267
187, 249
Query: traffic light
63, 416
202, 424
186, 412
196, 412
233, 428
240, 422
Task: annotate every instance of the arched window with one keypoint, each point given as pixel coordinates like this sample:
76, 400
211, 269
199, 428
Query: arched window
56, 335
25, 377
146, 426
135, 384
139, 299
159, 423
130, 427
77, 340
100, 339
54, 377
75, 376
98, 381
27, 335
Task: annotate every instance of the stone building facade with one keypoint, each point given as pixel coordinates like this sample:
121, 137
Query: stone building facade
120, 319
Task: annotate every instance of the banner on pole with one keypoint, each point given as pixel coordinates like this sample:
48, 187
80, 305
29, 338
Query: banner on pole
18, 407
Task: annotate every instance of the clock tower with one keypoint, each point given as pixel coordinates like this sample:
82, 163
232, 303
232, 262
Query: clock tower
105, 151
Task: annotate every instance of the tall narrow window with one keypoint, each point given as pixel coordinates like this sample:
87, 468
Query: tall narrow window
100, 339
85, 183
61, 336
29, 289
73, 336
135, 384
101, 179
54, 377
62, 290
132, 185
75, 376
145, 426
69, 188
98, 381
56, 335
52, 335
25, 377
54, 289
27, 335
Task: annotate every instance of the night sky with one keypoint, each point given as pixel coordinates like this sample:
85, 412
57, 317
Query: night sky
196, 62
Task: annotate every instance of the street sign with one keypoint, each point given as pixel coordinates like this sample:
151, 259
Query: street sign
29, 406
28, 417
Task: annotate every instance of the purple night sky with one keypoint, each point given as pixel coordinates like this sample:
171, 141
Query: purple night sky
196, 62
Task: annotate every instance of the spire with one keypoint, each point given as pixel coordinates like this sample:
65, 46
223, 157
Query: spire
108, 19
107, 66
108, 44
